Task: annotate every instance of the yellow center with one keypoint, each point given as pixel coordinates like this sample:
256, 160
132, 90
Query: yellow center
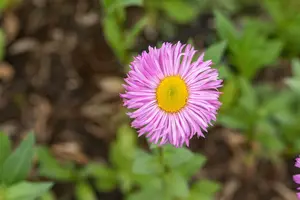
172, 94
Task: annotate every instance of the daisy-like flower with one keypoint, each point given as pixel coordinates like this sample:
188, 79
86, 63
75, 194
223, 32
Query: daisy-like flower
173, 97
297, 176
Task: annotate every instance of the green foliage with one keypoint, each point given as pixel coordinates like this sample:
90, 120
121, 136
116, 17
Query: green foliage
106, 178
215, 52
27, 191
17, 165
3, 4
51, 168
120, 39
5, 147
294, 82
14, 169
203, 189
262, 105
250, 50
84, 191
2, 44
286, 19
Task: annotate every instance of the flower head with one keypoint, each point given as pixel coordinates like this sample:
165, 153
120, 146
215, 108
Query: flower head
297, 176
173, 97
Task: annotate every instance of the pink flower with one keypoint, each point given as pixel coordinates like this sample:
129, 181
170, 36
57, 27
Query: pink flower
297, 176
173, 97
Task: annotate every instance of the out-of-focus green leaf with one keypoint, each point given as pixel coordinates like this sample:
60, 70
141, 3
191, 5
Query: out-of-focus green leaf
123, 150
126, 181
84, 191
134, 32
229, 93
147, 193
153, 181
106, 177
48, 196
49, 167
225, 28
17, 165
2, 41
114, 35
215, 52
276, 103
204, 189
191, 41
189, 169
233, 121
294, 84
173, 156
27, 191
145, 163
5, 148
296, 67
180, 11
248, 97
272, 145
176, 185
122, 154
294, 81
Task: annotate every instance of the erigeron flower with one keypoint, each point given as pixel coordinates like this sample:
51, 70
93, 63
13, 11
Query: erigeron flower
297, 176
173, 97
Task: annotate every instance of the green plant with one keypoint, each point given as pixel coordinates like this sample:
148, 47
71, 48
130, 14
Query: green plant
118, 37
249, 50
162, 173
286, 23
65, 172
2, 45
15, 167
256, 112
6, 4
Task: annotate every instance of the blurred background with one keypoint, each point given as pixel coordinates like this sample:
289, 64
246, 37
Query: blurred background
62, 63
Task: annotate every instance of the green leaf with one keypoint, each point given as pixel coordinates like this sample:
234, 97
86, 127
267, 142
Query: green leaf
280, 101
49, 167
191, 41
154, 181
233, 121
229, 93
206, 186
294, 84
176, 185
126, 181
84, 191
123, 150
174, 157
189, 169
296, 67
134, 32
3, 5
5, 148
106, 178
116, 4
114, 35
248, 97
17, 166
27, 191
180, 11
272, 145
48, 196
2, 41
204, 190
225, 28
147, 193
215, 52
145, 163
